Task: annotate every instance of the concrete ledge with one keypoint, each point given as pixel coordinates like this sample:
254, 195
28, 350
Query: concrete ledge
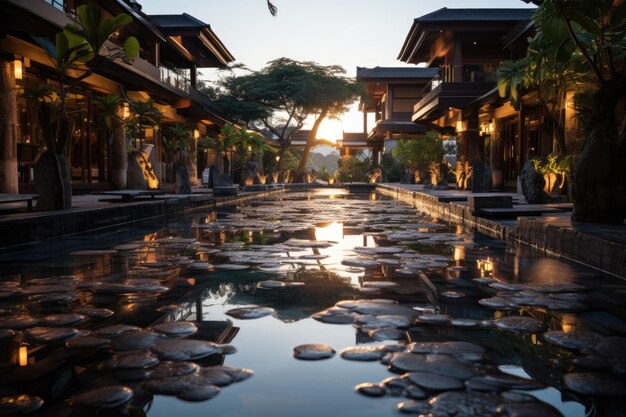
598, 246
42, 226
558, 236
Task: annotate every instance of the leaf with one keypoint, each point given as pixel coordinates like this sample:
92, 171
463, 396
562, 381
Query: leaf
89, 17
120, 21
554, 30
131, 48
61, 45
565, 50
106, 28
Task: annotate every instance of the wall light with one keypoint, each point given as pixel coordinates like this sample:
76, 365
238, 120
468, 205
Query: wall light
196, 133
18, 69
125, 111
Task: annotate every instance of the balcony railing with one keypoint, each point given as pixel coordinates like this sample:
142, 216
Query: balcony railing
175, 78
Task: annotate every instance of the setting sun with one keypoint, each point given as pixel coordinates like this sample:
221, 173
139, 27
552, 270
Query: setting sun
330, 130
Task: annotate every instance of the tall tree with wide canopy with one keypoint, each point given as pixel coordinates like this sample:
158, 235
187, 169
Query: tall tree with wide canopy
596, 30
281, 96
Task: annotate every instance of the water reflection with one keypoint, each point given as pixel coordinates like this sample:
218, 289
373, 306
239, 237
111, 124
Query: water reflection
340, 247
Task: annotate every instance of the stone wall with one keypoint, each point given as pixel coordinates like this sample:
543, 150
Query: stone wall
451, 213
565, 242
27, 230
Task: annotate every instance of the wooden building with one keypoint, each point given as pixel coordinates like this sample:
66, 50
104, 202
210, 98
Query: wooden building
173, 47
466, 46
391, 95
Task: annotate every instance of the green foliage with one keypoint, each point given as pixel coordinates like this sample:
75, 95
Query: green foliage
80, 46
355, 169
421, 151
177, 142
580, 46
109, 105
143, 115
553, 164
279, 97
393, 170
85, 42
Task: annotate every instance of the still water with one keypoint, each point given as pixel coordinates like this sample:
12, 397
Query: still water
401, 280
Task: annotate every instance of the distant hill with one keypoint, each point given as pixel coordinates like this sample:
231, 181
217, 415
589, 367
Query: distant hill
318, 160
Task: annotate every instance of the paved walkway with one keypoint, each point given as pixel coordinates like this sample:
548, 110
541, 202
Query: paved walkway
92, 201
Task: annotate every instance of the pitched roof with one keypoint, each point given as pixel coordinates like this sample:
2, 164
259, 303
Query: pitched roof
198, 43
426, 29
456, 15
395, 72
177, 21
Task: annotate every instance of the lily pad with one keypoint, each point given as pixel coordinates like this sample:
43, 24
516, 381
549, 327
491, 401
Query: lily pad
176, 328
589, 383
50, 335
371, 390
104, 397
15, 405
249, 313
132, 360
184, 350
87, 342
116, 330
139, 340
313, 352
435, 382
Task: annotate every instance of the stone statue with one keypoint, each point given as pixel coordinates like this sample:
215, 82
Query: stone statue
533, 183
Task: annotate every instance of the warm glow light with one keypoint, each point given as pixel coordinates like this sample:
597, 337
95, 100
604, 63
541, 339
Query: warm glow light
331, 130
125, 111
18, 69
332, 232
485, 266
23, 356
196, 133
569, 322
459, 126
459, 253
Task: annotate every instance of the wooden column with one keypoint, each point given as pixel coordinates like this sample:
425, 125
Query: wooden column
119, 159
496, 153
194, 75
8, 128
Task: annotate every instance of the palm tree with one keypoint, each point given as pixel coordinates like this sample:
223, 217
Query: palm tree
273, 9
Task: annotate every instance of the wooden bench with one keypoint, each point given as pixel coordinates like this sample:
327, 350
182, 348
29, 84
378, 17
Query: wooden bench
129, 196
16, 198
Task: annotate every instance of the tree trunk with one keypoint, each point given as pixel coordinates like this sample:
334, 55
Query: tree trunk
281, 163
599, 188
8, 129
119, 157
300, 171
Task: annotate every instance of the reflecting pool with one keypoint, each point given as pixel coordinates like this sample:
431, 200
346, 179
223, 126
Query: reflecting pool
405, 314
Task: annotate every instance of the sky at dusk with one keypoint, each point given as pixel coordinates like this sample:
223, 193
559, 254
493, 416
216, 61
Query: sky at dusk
351, 33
